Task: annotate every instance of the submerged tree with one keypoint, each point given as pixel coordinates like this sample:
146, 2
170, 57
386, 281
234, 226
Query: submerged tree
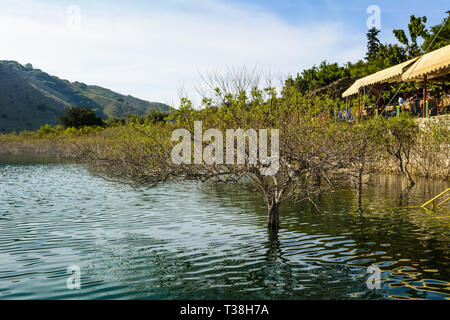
301, 149
360, 147
399, 137
306, 151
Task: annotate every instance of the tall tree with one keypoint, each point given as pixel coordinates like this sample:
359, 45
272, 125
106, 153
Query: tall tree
439, 36
389, 55
372, 44
416, 28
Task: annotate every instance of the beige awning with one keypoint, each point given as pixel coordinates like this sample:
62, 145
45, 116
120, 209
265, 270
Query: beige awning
352, 90
392, 74
433, 64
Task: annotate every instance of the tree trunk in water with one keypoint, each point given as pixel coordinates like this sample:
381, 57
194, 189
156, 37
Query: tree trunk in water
410, 179
273, 248
273, 218
359, 200
404, 170
360, 189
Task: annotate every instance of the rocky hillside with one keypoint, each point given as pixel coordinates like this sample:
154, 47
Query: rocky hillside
30, 98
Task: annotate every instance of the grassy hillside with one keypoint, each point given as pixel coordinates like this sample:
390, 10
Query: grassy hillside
30, 98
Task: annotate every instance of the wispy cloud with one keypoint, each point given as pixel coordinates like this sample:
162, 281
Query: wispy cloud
148, 52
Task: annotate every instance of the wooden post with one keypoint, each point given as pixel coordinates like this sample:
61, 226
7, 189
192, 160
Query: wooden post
359, 105
442, 96
379, 98
424, 95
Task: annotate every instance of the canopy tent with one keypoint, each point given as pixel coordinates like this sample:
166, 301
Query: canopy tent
430, 65
392, 74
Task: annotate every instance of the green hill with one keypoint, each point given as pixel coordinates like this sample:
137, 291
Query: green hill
30, 98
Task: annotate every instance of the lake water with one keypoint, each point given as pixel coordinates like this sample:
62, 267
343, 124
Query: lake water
194, 241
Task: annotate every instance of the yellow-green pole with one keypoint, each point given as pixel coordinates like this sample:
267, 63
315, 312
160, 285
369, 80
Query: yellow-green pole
424, 95
432, 201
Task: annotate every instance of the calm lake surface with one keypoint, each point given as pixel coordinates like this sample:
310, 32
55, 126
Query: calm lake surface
193, 241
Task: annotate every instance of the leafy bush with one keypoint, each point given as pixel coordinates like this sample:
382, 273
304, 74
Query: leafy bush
79, 117
45, 130
154, 116
399, 135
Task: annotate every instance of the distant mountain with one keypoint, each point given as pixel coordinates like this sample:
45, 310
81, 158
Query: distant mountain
30, 98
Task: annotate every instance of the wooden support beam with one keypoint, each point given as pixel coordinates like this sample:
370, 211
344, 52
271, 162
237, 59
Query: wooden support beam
379, 98
359, 105
442, 96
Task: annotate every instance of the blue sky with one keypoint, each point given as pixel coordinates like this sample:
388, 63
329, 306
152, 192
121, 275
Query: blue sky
152, 49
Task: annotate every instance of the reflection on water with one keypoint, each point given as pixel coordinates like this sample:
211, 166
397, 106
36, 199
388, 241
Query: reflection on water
192, 241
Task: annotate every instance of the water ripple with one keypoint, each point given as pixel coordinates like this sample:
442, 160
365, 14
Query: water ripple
188, 241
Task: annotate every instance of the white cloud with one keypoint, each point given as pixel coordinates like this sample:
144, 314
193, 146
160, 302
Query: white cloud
148, 53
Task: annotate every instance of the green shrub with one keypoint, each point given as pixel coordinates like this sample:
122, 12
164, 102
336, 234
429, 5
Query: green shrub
79, 117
